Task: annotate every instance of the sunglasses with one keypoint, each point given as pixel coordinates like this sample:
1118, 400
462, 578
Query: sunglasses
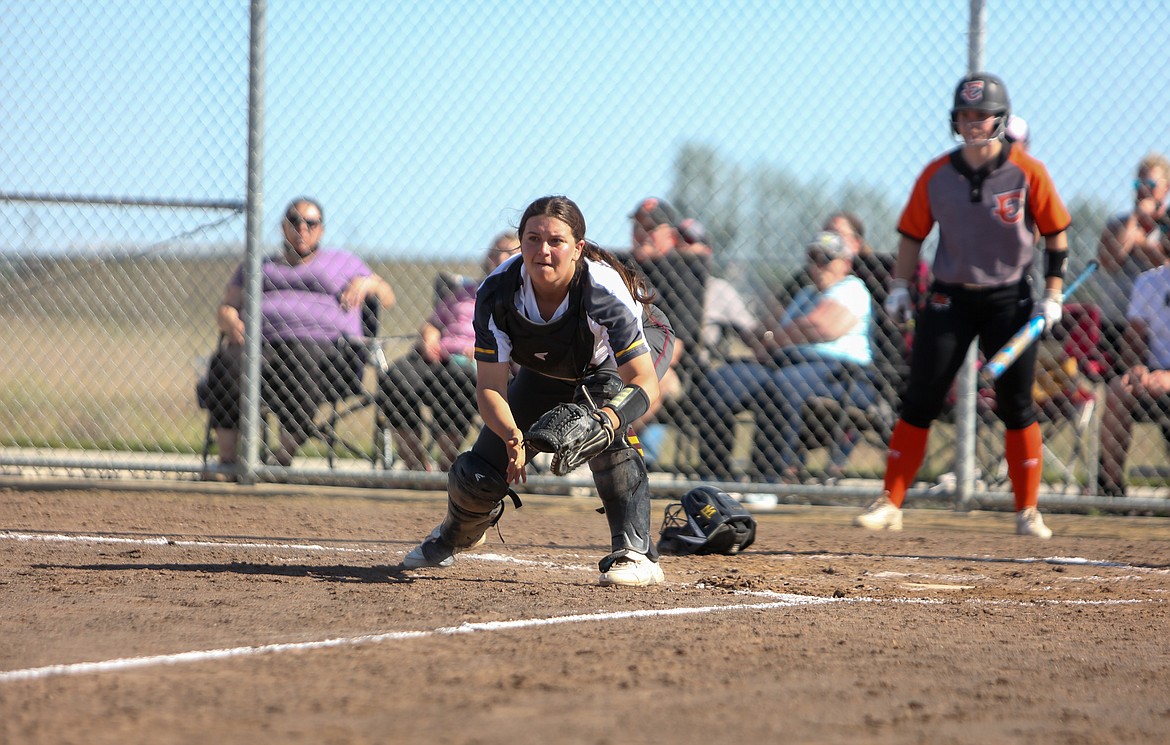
820, 259
296, 221
1145, 183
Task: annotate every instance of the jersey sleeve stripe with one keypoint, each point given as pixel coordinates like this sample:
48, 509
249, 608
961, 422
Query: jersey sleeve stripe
632, 347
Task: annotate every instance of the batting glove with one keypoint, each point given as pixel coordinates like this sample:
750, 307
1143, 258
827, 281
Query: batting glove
1052, 308
898, 304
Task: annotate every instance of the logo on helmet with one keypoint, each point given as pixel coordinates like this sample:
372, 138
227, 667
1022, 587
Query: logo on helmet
972, 91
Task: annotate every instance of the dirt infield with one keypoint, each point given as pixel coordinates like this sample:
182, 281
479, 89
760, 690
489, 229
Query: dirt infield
260, 616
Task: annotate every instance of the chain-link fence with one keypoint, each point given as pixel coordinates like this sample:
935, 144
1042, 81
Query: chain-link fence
424, 131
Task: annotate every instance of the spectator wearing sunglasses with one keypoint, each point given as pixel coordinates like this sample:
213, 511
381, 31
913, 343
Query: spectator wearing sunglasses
312, 300
1131, 243
812, 349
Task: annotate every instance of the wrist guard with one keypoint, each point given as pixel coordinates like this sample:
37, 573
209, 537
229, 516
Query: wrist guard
630, 403
1055, 262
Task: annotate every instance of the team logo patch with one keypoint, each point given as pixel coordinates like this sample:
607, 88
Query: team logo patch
972, 91
939, 301
1009, 207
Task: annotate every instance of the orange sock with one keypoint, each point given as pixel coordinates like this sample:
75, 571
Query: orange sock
1022, 448
907, 449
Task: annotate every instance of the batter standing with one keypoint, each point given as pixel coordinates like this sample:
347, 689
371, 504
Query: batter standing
986, 197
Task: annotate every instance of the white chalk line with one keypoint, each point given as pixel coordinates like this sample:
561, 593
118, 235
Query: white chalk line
966, 601
778, 600
781, 600
130, 663
505, 559
164, 541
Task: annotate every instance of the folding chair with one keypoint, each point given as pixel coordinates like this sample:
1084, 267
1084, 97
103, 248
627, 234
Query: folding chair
351, 395
347, 397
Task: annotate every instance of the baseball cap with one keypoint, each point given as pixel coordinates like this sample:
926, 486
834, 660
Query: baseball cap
830, 244
653, 211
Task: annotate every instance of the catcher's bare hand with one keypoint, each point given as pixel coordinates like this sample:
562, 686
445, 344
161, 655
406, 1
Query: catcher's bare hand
517, 460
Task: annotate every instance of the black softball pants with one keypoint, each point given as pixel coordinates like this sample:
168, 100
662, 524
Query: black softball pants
954, 315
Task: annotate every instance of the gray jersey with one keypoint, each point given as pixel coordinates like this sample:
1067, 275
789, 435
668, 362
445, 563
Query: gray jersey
985, 216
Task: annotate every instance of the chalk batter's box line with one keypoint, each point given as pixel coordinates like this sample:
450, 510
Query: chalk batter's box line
310, 547
783, 601
779, 600
503, 558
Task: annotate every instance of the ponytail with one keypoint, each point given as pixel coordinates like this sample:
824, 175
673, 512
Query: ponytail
634, 281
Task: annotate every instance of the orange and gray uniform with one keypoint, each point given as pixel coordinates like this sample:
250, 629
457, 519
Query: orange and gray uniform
982, 274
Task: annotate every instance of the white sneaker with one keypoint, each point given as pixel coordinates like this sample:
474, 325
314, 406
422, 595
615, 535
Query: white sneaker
435, 552
880, 515
1029, 522
632, 570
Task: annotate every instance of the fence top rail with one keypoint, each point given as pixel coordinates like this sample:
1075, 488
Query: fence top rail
235, 205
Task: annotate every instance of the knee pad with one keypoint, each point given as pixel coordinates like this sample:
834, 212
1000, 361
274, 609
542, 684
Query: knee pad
475, 494
624, 489
474, 482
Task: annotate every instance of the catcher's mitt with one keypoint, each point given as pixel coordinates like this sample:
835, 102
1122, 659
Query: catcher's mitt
706, 521
572, 433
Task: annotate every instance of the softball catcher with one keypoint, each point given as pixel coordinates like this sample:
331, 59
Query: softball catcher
590, 351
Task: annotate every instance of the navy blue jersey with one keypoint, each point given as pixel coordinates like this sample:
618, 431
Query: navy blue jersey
599, 321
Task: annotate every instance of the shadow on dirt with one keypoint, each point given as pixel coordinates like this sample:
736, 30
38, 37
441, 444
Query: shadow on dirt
338, 573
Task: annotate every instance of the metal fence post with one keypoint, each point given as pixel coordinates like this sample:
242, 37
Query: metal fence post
250, 385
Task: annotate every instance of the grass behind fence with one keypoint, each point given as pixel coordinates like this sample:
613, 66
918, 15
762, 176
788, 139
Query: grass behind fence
105, 355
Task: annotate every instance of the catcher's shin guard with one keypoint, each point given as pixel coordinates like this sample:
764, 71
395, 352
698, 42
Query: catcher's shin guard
624, 488
475, 494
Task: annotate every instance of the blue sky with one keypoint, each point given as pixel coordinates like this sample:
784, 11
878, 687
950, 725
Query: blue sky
425, 127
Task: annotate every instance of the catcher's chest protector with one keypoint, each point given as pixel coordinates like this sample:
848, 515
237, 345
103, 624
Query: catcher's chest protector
706, 521
560, 349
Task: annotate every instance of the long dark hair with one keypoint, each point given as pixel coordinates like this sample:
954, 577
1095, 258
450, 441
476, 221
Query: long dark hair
567, 211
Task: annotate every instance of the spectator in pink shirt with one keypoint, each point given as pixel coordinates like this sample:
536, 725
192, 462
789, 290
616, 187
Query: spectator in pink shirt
439, 373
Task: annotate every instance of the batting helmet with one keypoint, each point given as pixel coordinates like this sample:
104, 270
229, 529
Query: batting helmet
706, 521
985, 92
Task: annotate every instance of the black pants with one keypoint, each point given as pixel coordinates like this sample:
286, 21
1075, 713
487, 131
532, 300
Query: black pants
296, 378
953, 317
447, 388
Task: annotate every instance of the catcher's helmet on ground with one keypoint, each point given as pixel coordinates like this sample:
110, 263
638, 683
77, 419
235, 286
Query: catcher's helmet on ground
981, 91
706, 521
